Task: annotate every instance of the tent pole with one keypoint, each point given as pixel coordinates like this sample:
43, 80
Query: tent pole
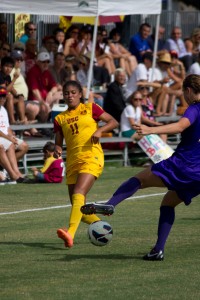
155, 46
90, 72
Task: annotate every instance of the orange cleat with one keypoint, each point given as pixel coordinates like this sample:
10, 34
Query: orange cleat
66, 237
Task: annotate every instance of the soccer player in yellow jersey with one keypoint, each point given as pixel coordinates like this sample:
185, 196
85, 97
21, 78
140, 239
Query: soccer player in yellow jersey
78, 125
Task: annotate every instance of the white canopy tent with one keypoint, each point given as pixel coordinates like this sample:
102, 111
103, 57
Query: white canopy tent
86, 8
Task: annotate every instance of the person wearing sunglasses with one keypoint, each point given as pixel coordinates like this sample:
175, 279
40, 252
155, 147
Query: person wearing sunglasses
131, 115
4, 50
29, 32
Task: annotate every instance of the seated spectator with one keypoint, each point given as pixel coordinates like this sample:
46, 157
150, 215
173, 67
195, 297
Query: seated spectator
131, 115
85, 40
14, 104
42, 87
49, 45
30, 54
58, 70
102, 52
20, 47
59, 36
171, 86
20, 86
5, 50
100, 77
115, 101
139, 42
176, 43
71, 41
53, 169
3, 32
72, 66
161, 40
148, 109
192, 44
142, 74
29, 32
11, 148
123, 58
195, 67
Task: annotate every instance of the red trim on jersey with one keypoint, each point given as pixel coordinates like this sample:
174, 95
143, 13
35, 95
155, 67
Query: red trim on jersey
97, 111
57, 127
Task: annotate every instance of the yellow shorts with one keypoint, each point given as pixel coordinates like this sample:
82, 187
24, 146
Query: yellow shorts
94, 168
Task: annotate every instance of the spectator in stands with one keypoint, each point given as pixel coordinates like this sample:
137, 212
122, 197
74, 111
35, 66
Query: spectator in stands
9, 144
30, 54
103, 55
71, 41
115, 101
20, 87
53, 169
42, 87
122, 57
171, 86
29, 32
195, 67
176, 43
49, 45
161, 40
139, 42
58, 70
59, 36
131, 115
85, 40
100, 78
142, 73
192, 43
3, 32
5, 50
72, 66
14, 103
148, 109
20, 47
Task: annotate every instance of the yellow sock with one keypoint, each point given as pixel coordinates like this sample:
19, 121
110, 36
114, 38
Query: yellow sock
88, 219
75, 217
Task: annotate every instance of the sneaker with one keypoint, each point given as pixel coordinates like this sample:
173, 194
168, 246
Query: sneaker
66, 237
20, 180
7, 181
154, 255
95, 208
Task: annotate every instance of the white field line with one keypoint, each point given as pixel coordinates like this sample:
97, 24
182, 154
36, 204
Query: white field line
69, 205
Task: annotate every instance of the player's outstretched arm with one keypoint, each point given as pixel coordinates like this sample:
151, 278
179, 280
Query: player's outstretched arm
172, 128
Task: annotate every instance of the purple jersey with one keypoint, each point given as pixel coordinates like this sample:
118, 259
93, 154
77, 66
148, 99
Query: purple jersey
55, 172
181, 171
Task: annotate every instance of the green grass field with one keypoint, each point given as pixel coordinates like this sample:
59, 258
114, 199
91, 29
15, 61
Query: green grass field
34, 264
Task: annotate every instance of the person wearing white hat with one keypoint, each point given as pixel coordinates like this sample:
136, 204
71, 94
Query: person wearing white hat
42, 86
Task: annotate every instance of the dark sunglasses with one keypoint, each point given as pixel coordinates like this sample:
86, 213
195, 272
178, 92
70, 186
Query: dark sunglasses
32, 29
19, 59
144, 88
19, 49
137, 99
45, 62
6, 49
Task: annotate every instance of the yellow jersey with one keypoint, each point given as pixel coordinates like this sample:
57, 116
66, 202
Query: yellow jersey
77, 127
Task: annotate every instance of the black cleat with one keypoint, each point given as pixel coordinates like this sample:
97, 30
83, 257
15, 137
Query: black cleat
95, 208
154, 255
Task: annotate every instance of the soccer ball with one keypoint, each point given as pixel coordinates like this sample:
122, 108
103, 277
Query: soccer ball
100, 233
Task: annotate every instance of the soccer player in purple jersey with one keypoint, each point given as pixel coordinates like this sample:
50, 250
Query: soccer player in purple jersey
180, 173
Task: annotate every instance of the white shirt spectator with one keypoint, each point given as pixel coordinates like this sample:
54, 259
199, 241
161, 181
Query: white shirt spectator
178, 46
141, 73
130, 112
194, 69
4, 122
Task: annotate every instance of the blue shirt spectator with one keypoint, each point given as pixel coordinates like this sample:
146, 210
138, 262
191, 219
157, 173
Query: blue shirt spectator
139, 43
